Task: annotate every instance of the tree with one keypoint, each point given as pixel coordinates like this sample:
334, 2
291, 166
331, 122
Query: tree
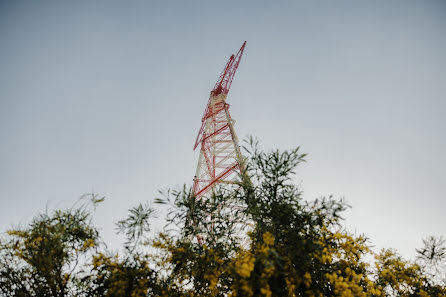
296, 247
258, 238
128, 275
43, 258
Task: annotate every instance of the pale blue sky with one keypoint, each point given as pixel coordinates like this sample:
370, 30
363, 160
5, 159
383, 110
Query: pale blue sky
108, 95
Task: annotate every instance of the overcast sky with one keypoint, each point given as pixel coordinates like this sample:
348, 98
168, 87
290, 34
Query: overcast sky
108, 96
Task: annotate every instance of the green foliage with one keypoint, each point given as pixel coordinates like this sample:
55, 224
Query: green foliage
42, 259
258, 238
136, 224
433, 251
111, 276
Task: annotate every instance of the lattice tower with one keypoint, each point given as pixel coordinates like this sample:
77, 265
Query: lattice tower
220, 160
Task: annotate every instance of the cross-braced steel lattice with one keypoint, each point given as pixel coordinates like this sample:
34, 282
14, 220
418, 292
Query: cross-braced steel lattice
220, 159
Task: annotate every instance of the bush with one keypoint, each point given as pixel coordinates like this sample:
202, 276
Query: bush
257, 238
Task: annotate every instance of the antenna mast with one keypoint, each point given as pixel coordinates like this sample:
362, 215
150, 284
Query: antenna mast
220, 159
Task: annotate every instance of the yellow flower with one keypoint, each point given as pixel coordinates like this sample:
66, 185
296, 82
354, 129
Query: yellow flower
268, 238
245, 265
266, 291
88, 244
307, 279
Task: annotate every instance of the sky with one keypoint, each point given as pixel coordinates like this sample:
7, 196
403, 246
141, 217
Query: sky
107, 96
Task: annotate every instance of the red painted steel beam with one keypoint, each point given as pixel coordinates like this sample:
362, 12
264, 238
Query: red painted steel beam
215, 180
225, 80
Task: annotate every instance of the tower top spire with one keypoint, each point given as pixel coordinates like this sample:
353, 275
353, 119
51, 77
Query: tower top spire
222, 86
224, 82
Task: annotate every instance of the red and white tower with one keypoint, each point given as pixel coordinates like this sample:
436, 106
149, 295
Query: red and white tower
220, 160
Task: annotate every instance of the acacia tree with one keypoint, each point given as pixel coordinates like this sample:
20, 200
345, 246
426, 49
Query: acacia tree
128, 274
296, 247
260, 238
43, 258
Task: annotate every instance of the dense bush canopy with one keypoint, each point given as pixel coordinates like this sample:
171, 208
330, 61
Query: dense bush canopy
258, 238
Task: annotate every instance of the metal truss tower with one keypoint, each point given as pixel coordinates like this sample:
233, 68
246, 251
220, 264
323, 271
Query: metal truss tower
220, 160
